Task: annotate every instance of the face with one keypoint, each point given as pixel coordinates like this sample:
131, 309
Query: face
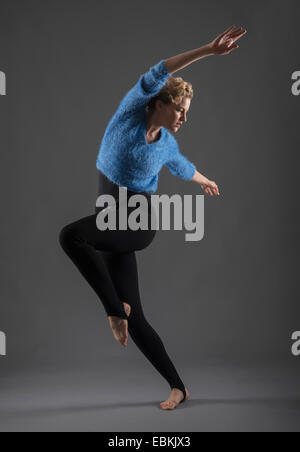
172, 115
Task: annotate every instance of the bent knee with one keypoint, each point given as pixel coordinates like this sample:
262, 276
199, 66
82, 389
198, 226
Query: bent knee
67, 236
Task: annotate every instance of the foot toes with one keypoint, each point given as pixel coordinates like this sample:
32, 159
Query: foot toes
163, 404
168, 405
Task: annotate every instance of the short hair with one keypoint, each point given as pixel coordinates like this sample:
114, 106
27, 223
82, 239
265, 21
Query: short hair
174, 91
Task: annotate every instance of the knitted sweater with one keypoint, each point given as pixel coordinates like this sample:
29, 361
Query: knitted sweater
125, 156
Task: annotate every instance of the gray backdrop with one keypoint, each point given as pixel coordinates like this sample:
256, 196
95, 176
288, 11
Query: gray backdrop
229, 298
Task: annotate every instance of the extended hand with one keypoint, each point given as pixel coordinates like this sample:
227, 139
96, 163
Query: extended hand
224, 43
210, 187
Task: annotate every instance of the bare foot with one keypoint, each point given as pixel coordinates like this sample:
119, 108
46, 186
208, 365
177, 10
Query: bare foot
119, 326
174, 399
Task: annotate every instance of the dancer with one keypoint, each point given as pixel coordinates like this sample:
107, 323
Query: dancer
135, 146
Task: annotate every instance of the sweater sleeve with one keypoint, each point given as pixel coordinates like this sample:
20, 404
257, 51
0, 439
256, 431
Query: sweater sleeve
179, 165
148, 85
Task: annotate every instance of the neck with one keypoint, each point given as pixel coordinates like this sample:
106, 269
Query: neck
152, 125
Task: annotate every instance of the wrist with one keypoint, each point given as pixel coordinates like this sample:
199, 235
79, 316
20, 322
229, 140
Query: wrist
209, 49
205, 181
200, 179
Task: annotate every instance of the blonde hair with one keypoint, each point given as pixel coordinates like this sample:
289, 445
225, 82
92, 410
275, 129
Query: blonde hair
174, 91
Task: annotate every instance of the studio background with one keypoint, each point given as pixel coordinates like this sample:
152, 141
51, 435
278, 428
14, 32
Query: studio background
230, 299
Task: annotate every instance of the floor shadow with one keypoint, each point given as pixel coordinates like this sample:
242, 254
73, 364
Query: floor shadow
291, 402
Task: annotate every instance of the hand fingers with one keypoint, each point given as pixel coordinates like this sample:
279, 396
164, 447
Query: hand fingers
235, 32
229, 42
211, 190
234, 37
234, 46
227, 31
232, 33
229, 49
215, 189
237, 36
213, 186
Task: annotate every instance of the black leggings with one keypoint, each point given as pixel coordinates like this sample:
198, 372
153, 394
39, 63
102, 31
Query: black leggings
107, 260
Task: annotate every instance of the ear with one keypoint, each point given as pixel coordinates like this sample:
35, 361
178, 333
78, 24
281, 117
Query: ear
159, 104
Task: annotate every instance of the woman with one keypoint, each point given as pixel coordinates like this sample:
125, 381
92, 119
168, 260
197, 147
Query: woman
135, 146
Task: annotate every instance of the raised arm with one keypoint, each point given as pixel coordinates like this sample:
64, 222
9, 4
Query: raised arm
221, 45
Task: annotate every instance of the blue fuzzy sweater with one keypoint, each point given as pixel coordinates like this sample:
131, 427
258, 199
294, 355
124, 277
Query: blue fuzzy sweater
124, 156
